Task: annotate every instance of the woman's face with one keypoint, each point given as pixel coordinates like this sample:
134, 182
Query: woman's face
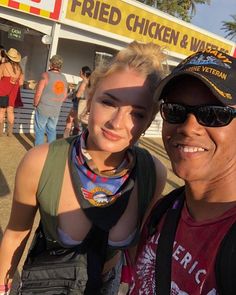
120, 111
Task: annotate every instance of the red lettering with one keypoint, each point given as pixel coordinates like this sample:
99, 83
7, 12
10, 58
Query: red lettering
104, 12
115, 16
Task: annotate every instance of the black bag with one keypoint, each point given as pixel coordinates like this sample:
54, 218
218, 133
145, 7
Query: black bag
52, 271
4, 101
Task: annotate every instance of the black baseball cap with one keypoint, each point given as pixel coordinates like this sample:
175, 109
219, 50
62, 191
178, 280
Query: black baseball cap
216, 69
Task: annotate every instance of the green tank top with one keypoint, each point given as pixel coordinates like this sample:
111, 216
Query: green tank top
51, 179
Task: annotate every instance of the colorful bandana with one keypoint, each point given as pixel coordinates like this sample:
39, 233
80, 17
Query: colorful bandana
100, 188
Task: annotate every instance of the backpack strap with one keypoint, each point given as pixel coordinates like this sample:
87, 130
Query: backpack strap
225, 265
165, 248
161, 208
50, 184
146, 179
171, 205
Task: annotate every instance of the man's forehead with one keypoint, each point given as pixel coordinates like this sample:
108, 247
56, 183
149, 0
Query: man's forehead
189, 90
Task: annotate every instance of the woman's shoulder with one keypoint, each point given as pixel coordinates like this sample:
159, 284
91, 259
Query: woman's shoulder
8, 70
35, 158
29, 172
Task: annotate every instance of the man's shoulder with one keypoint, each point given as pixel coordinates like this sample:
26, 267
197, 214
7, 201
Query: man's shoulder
57, 76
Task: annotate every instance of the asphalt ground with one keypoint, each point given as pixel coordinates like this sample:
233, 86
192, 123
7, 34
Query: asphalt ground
12, 149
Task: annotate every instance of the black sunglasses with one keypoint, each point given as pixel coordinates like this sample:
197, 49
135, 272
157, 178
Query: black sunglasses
206, 115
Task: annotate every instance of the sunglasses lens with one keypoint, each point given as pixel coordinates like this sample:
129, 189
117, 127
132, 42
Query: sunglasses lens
173, 113
209, 116
213, 116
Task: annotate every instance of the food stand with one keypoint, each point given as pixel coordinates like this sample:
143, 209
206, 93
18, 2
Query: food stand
86, 32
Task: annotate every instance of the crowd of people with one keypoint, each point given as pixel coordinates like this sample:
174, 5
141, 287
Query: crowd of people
51, 92
105, 226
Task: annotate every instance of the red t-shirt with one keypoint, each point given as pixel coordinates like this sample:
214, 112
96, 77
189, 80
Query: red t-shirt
193, 258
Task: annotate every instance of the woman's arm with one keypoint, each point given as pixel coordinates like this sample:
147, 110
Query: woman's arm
21, 80
24, 207
81, 89
39, 89
1, 71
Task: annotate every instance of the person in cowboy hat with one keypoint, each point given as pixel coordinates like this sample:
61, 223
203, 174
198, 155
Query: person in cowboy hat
11, 78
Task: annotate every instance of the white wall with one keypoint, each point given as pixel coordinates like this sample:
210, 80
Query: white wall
77, 54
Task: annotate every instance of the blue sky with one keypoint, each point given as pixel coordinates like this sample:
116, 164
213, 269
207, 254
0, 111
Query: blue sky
210, 17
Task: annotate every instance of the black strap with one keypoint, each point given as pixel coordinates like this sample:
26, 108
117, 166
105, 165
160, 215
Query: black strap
165, 248
225, 266
161, 208
96, 255
146, 179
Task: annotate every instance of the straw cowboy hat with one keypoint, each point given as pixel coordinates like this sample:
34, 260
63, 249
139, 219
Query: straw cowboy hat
13, 55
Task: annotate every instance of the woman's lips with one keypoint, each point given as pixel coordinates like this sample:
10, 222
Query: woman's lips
110, 135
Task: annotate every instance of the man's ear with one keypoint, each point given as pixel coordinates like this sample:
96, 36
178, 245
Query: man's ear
151, 120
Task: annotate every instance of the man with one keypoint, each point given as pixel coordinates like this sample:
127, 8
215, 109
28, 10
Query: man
179, 251
49, 96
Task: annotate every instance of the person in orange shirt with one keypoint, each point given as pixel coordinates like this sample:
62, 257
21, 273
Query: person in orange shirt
50, 93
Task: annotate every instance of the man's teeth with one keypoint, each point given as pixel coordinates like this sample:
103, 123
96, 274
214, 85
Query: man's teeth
190, 149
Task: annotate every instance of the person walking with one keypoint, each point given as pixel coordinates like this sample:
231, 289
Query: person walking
92, 190
50, 93
79, 103
188, 242
11, 79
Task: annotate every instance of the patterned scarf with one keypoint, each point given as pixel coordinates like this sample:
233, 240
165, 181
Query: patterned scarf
100, 188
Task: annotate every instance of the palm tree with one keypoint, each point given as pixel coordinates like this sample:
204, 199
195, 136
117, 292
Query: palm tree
230, 28
184, 9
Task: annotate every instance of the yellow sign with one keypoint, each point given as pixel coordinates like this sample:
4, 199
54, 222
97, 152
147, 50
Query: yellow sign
119, 17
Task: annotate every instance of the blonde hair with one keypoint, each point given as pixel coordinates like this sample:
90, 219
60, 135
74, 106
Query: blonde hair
56, 61
145, 58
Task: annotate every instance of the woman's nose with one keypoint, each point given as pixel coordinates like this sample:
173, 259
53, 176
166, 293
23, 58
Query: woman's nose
117, 119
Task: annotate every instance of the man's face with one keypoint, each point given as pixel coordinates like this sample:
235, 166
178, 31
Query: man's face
199, 153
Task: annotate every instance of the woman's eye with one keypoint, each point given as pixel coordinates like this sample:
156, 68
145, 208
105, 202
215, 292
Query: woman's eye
138, 115
108, 102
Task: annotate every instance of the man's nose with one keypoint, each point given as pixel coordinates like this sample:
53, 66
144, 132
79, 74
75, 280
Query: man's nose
190, 125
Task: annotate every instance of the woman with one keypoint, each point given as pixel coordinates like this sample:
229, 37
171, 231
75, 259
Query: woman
11, 78
91, 190
78, 103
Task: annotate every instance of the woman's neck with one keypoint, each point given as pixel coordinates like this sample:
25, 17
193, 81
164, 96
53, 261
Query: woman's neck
54, 70
106, 161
